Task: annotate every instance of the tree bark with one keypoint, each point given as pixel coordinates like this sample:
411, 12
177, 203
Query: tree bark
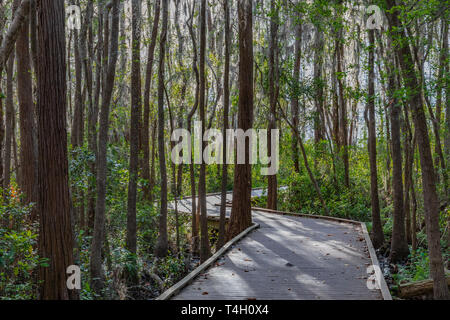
241, 215
272, 183
55, 237
97, 275
194, 221
162, 245
28, 165
131, 243
8, 125
205, 250
226, 107
377, 230
295, 100
399, 245
146, 120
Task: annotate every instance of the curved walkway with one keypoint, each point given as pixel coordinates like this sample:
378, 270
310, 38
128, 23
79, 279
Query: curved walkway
288, 257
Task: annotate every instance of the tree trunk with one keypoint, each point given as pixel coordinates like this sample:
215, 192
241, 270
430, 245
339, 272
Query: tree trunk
399, 245
272, 183
241, 215
162, 245
226, 107
318, 100
205, 250
28, 166
8, 125
146, 120
97, 275
377, 230
295, 95
343, 110
55, 237
194, 221
131, 243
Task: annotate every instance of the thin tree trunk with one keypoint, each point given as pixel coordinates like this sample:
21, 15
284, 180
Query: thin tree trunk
343, 110
93, 120
399, 245
294, 99
28, 166
195, 227
272, 183
8, 124
146, 120
377, 230
226, 107
97, 274
318, 101
162, 245
131, 243
205, 250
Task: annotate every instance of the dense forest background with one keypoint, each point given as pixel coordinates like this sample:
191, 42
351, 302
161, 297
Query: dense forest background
361, 99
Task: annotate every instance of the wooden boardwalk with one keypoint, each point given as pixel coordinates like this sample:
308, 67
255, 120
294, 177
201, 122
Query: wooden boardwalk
288, 258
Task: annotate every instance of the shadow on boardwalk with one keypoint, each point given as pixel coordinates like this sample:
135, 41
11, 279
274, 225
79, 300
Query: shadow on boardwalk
289, 258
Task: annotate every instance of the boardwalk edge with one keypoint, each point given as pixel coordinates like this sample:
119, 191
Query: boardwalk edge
373, 256
166, 295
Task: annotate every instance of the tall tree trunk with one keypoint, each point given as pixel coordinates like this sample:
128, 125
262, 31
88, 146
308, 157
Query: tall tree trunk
205, 251
28, 166
55, 237
447, 120
2, 127
318, 101
343, 109
131, 243
194, 222
162, 245
295, 96
241, 215
97, 275
79, 46
431, 201
226, 108
92, 117
377, 230
272, 183
399, 245
409, 161
146, 120
8, 124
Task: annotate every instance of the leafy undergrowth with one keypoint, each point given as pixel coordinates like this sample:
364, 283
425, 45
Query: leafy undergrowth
19, 260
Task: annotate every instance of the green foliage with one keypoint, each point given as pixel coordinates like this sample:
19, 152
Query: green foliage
18, 254
416, 269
